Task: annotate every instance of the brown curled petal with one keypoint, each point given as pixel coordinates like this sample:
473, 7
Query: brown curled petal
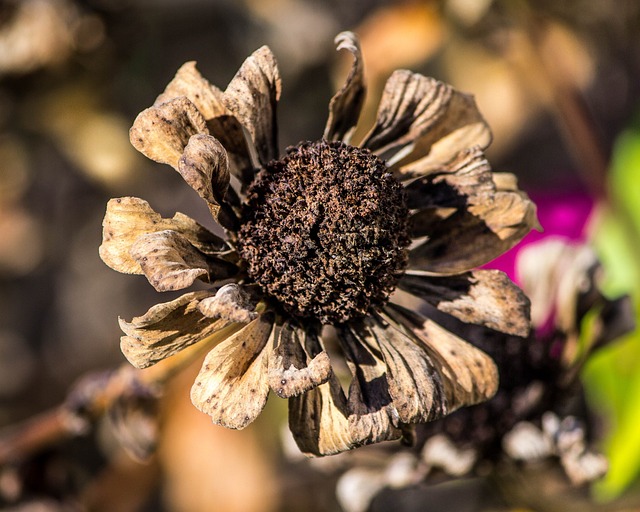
291, 370
190, 83
170, 262
166, 329
204, 166
481, 297
232, 385
346, 104
252, 96
414, 383
469, 376
372, 416
128, 218
161, 132
231, 303
318, 420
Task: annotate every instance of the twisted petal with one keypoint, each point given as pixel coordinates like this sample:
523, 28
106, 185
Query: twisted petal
483, 297
429, 120
168, 328
292, 370
189, 83
469, 376
346, 104
162, 132
128, 218
230, 302
319, 420
232, 386
372, 415
252, 97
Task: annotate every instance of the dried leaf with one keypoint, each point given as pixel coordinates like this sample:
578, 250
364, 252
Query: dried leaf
161, 132
128, 218
372, 415
232, 385
469, 376
346, 104
170, 262
318, 420
291, 370
414, 382
252, 97
190, 83
166, 329
231, 303
482, 297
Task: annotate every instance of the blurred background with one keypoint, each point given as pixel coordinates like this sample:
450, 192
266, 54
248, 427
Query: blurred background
559, 83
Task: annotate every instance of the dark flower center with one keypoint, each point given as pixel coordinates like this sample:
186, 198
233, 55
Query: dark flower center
325, 230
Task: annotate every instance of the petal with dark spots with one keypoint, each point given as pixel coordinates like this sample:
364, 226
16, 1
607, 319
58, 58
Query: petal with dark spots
232, 386
128, 218
292, 371
171, 262
230, 302
161, 132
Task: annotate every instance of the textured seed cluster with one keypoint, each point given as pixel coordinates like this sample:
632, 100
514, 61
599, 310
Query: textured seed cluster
325, 231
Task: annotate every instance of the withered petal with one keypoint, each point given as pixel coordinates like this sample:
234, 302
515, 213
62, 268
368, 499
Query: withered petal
414, 382
346, 104
167, 328
319, 420
161, 132
292, 371
190, 83
482, 297
372, 415
171, 262
252, 97
204, 166
128, 218
232, 386
469, 376
230, 302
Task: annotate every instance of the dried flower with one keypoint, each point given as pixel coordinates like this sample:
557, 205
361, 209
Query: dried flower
322, 236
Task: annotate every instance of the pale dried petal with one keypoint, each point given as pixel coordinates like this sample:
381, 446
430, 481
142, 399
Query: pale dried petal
346, 104
161, 132
373, 417
230, 302
414, 382
318, 420
128, 218
292, 371
190, 83
204, 166
482, 297
252, 97
170, 262
166, 329
232, 385
469, 376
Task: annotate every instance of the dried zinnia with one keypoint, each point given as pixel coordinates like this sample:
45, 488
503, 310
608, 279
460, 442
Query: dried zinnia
322, 236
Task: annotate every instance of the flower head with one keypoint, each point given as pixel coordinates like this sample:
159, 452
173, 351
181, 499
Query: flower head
323, 234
